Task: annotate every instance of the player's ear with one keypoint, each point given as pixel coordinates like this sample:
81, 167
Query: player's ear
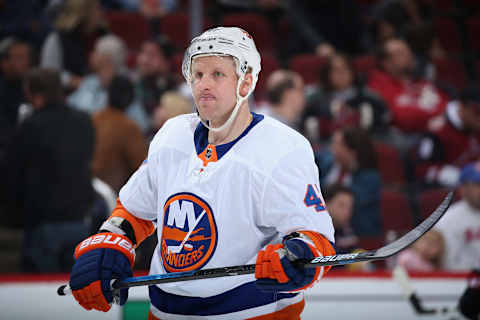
246, 84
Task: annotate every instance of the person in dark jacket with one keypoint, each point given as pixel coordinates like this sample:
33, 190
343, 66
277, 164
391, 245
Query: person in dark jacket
351, 161
47, 174
15, 61
341, 99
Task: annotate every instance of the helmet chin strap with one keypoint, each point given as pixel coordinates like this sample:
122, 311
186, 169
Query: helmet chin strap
229, 121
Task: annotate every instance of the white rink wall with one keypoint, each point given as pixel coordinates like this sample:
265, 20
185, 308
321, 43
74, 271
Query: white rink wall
338, 296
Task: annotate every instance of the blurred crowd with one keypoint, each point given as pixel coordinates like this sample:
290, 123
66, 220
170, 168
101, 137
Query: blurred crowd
385, 90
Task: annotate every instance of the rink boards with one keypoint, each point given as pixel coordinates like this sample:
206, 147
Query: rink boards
339, 296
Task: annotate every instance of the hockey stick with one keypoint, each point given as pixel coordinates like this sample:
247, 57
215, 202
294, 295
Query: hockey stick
335, 260
400, 275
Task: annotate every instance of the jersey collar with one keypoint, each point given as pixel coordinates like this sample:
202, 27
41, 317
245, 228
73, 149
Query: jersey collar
216, 152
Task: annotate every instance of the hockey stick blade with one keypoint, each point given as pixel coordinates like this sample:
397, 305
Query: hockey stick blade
341, 259
400, 275
390, 249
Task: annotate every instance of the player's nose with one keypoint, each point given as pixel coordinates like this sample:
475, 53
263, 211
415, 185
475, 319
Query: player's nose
205, 83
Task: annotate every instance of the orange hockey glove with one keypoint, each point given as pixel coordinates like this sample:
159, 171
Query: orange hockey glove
274, 268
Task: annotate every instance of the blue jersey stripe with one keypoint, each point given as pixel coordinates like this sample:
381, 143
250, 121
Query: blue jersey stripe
244, 297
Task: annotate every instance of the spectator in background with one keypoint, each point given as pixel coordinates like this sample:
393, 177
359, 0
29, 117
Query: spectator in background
323, 26
153, 76
352, 161
425, 255
452, 142
107, 60
128, 5
285, 98
67, 48
460, 226
25, 19
47, 172
411, 20
120, 146
339, 200
413, 101
388, 19
171, 105
15, 61
155, 10
391, 18
341, 100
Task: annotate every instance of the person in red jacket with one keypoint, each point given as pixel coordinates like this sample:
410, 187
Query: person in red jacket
413, 101
453, 141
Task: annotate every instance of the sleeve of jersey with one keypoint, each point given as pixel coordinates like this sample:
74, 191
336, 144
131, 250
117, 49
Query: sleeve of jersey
292, 198
141, 228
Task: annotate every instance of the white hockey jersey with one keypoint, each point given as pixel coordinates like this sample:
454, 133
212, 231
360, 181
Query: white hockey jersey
460, 228
217, 206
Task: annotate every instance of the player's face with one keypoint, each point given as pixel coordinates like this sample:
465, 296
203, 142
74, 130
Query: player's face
214, 83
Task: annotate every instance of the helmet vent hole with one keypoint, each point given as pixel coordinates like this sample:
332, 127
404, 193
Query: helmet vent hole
198, 48
210, 47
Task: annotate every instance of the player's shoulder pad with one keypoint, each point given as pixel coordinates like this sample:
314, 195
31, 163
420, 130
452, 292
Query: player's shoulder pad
175, 132
271, 144
281, 138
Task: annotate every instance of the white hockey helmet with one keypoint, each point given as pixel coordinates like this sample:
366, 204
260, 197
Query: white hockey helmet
226, 41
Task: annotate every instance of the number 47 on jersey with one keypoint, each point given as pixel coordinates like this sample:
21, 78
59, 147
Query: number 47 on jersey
312, 198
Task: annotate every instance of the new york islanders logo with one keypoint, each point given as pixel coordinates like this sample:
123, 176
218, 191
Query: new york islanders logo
189, 233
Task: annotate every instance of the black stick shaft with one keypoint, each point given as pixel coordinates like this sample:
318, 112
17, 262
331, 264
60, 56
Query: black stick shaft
334, 260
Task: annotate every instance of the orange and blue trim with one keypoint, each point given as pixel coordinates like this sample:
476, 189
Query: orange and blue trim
202, 146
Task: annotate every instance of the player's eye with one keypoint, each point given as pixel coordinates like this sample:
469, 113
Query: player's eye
198, 75
218, 74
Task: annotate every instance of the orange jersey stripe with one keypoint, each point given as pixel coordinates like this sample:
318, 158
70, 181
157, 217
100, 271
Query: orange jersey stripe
151, 316
291, 312
142, 228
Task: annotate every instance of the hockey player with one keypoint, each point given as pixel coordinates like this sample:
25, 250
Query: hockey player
468, 304
224, 186
460, 227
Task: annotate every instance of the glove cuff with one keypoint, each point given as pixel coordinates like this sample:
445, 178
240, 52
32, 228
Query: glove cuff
319, 246
107, 240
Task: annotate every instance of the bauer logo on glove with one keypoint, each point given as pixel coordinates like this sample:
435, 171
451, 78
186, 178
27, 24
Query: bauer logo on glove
104, 240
